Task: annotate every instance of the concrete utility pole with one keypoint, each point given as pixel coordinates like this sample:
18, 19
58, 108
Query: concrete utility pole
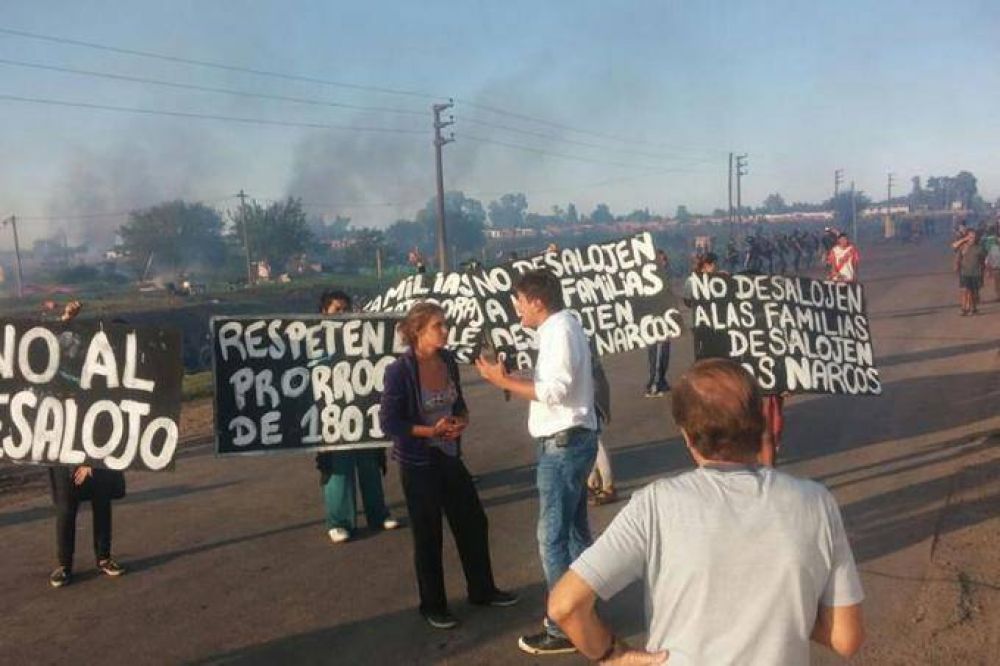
246, 237
854, 215
838, 178
730, 192
12, 221
439, 142
888, 194
741, 170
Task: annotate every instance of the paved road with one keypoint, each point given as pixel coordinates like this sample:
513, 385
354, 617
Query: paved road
230, 562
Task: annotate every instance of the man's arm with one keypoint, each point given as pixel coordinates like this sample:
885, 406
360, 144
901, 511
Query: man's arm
840, 628
496, 374
571, 606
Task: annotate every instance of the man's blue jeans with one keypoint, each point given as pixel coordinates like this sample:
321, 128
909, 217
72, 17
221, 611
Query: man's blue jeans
563, 530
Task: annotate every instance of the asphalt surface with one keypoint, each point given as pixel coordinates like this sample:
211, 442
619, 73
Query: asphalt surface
230, 563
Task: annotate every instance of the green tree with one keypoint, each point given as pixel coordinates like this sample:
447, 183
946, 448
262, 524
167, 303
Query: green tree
841, 205
602, 214
465, 220
572, 217
404, 235
773, 204
276, 233
176, 234
508, 211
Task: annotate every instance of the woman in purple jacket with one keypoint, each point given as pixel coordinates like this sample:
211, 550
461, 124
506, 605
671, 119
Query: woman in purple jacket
425, 414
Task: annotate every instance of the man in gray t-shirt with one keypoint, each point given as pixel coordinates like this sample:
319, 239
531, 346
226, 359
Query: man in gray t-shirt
739, 563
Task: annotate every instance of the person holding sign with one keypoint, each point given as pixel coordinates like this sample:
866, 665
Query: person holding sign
741, 564
71, 486
340, 471
424, 412
563, 420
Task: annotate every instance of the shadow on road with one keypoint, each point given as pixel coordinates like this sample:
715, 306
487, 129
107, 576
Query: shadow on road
937, 353
402, 637
149, 495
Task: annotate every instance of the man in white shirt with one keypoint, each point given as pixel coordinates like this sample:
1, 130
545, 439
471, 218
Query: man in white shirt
563, 421
741, 564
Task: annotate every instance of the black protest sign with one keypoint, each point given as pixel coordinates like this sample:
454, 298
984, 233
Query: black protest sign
301, 382
796, 335
456, 293
89, 394
616, 289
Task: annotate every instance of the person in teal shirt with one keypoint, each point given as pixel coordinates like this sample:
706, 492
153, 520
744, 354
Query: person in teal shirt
343, 472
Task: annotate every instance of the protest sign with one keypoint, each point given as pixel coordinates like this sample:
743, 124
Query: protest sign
616, 289
301, 382
796, 335
455, 292
89, 394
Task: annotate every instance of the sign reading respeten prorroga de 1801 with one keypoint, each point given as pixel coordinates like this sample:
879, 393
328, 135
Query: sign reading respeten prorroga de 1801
84, 393
795, 334
301, 382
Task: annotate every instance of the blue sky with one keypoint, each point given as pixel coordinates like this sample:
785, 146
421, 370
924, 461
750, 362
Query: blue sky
663, 90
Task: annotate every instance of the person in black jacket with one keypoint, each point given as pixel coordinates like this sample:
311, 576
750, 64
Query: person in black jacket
70, 487
423, 410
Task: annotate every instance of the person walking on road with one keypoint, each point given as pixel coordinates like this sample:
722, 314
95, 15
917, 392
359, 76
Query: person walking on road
741, 564
970, 260
658, 354
424, 412
563, 421
342, 473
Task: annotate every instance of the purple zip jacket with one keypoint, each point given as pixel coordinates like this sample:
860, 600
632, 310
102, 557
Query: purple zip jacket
402, 407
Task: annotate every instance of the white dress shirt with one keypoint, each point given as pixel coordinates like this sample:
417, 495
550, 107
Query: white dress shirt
564, 381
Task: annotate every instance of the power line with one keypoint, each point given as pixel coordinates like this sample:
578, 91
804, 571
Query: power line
586, 144
420, 94
191, 86
540, 151
207, 116
217, 65
110, 214
569, 128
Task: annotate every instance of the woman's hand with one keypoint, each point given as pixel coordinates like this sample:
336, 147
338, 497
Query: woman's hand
81, 474
456, 426
442, 429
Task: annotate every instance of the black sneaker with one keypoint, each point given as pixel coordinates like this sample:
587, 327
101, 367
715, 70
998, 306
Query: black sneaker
60, 577
110, 567
440, 620
500, 599
545, 643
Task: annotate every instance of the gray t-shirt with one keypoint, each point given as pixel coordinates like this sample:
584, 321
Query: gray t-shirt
735, 561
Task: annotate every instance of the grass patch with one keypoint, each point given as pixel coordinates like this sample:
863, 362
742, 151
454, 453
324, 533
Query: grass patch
197, 385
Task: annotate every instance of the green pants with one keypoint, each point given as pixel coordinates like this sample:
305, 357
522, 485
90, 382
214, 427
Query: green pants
350, 468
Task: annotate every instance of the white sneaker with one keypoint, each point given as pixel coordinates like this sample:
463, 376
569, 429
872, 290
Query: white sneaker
390, 523
339, 535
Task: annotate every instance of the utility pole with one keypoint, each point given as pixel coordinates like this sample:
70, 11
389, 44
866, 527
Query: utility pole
12, 220
730, 193
741, 170
246, 237
888, 194
838, 178
854, 216
439, 142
